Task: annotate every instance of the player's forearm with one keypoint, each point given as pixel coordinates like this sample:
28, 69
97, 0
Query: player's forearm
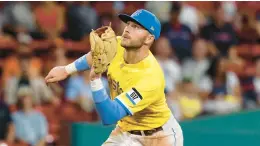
109, 110
81, 64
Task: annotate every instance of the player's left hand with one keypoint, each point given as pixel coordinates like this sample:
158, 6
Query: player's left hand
93, 75
103, 43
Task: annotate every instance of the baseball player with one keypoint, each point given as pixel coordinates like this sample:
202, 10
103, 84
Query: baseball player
137, 101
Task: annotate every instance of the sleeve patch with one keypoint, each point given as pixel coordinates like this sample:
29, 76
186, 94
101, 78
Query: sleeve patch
134, 96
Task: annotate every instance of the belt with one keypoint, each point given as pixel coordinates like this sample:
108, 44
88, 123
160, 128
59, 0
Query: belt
146, 132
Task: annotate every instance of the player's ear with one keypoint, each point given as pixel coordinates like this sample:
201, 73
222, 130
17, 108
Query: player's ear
149, 40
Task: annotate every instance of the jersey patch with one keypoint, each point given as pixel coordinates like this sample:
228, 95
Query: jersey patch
134, 96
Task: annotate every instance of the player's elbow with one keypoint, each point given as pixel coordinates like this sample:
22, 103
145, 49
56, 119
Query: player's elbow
107, 123
110, 111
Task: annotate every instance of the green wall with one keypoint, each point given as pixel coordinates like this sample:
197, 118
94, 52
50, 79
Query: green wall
85, 134
239, 129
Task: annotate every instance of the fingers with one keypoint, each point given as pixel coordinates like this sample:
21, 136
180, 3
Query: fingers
51, 80
48, 77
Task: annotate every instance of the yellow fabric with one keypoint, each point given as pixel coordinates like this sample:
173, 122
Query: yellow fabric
190, 107
231, 99
147, 78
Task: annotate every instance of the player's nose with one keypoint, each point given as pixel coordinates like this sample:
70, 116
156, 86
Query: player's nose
127, 30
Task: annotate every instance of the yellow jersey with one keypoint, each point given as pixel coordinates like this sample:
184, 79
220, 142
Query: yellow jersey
139, 88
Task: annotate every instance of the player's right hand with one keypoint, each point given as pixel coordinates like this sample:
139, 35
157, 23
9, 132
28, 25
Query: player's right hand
56, 74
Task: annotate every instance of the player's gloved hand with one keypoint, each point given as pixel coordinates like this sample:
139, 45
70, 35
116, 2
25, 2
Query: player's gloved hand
103, 44
56, 74
93, 75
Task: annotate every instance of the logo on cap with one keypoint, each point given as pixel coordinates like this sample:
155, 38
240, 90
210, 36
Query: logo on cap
152, 28
137, 13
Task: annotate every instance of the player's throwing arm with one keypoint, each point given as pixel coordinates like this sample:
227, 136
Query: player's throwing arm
103, 49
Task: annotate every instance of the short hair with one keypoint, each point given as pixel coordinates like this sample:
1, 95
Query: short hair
21, 93
176, 7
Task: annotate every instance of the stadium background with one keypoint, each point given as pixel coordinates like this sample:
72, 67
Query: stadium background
209, 52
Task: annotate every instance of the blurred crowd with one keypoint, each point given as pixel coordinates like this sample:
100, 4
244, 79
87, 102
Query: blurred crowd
209, 52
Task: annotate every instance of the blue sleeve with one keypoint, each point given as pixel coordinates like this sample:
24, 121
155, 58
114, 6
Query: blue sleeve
72, 91
109, 110
43, 127
82, 63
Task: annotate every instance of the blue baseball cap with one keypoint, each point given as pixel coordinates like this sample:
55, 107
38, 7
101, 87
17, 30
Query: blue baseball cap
146, 19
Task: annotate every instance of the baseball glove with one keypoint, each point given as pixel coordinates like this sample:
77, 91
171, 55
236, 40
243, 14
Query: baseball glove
103, 44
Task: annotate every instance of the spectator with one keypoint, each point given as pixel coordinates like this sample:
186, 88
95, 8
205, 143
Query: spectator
81, 18
217, 73
256, 82
57, 56
257, 78
191, 17
189, 102
6, 124
2, 16
11, 63
60, 56
179, 35
257, 23
118, 25
50, 19
171, 68
219, 34
106, 18
1, 83
118, 7
19, 14
196, 67
223, 88
248, 80
78, 91
30, 125
230, 9
40, 91
246, 29
20, 19
160, 8
235, 62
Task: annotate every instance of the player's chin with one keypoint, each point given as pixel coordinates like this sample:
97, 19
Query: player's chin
125, 43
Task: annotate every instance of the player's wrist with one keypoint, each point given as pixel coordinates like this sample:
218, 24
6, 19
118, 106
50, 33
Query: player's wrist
81, 64
96, 84
70, 68
98, 91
